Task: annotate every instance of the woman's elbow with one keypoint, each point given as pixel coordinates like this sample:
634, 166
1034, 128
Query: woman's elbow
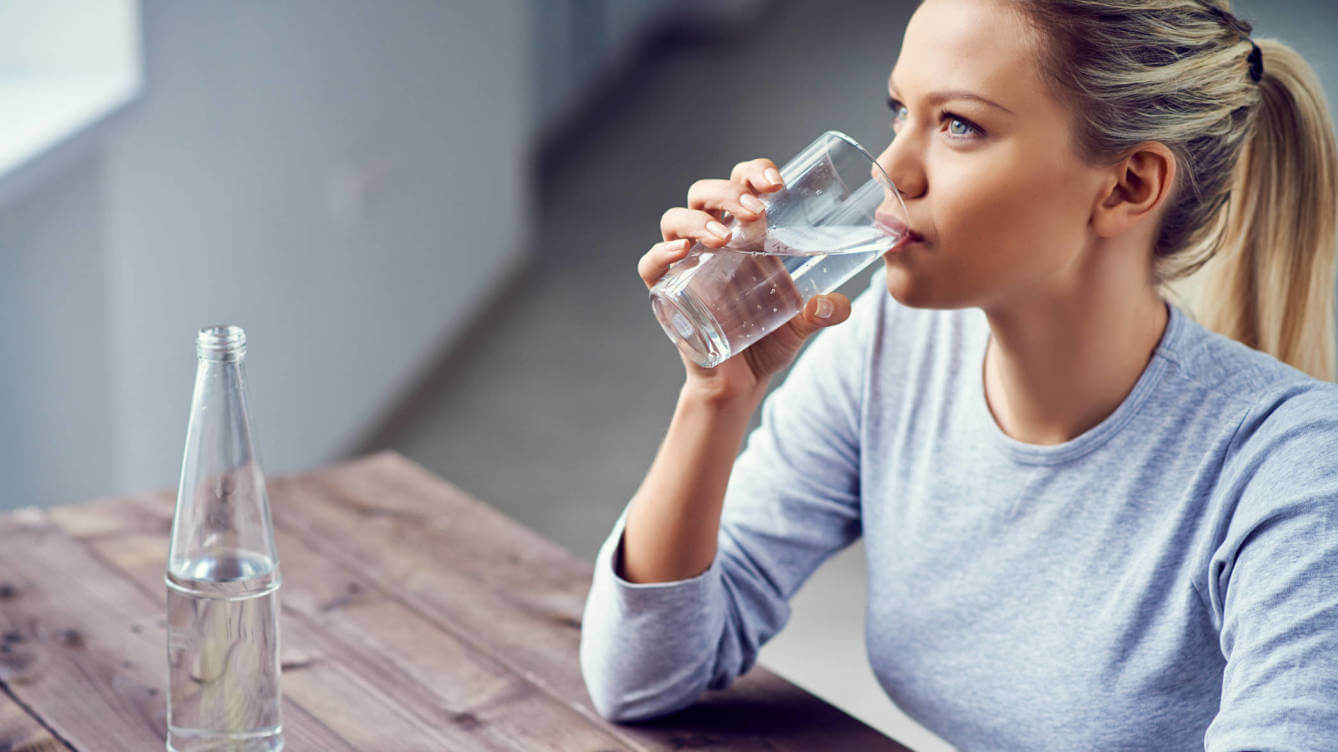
630, 707
624, 696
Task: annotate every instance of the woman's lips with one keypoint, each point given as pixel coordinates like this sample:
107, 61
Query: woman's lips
894, 225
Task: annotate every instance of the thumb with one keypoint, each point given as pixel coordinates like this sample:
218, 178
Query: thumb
820, 312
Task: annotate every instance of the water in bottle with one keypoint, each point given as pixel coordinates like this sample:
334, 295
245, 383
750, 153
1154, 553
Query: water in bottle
223, 572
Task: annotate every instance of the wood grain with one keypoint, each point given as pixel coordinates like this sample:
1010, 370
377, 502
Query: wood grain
520, 596
20, 732
87, 649
413, 618
356, 656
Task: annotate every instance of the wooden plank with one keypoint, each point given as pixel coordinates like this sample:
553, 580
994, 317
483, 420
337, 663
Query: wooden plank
430, 690
19, 731
521, 596
87, 648
433, 596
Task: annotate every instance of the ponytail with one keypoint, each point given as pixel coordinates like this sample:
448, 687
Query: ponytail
1270, 283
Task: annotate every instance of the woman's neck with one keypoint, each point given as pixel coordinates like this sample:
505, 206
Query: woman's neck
1057, 365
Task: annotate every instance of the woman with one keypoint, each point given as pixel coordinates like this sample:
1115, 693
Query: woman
1091, 521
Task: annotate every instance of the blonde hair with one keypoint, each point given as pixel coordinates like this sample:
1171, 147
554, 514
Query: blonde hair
1250, 236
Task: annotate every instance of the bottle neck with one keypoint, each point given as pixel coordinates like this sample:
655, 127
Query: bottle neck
222, 516
223, 344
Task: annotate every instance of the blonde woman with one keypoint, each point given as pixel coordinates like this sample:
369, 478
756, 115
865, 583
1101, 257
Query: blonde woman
1095, 518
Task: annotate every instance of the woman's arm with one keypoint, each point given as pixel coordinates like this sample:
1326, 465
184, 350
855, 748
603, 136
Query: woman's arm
674, 517
788, 501
1273, 581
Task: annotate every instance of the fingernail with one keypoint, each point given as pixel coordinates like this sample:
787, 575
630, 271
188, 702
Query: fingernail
824, 308
751, 203
717, 229
678, 245
773, 175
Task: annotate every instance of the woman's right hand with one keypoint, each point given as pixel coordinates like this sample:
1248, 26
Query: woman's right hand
747, 373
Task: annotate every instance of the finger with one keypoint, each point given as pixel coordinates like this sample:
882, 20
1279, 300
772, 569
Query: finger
726, 195
657, 260
820, 312
760, 174
696, 225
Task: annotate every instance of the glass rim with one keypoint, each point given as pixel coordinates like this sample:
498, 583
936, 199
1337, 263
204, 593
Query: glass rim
872, 159
885, 179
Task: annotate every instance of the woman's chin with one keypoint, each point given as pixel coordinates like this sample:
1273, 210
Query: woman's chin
913, 291
901, 284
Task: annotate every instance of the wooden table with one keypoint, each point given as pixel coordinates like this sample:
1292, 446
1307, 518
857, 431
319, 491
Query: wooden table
413, 618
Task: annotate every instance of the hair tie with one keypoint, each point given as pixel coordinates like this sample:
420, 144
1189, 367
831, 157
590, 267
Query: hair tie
1256, 62
1242, 29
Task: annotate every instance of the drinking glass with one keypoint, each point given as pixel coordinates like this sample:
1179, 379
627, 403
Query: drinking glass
837, 212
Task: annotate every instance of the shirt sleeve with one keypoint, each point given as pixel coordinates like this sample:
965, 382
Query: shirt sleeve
792, 501
1273, 581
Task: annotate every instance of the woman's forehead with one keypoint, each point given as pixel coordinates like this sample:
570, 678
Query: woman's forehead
973, 45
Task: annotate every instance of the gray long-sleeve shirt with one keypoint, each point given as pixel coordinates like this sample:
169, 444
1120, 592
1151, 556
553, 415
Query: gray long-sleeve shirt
1167, 580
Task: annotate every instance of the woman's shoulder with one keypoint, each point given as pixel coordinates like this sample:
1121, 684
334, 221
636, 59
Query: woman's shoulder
1206, 360
1285, 438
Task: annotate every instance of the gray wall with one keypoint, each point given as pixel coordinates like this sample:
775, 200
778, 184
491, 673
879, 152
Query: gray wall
347, 180
56, 433
581, 44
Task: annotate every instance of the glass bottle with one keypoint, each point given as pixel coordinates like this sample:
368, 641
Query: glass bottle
222, 571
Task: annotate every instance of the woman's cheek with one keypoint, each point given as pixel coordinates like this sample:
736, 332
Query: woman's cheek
980, 210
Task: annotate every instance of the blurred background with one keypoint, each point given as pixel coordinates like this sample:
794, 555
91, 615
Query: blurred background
426, 214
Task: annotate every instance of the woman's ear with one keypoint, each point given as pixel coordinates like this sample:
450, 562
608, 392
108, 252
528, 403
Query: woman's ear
1139, 186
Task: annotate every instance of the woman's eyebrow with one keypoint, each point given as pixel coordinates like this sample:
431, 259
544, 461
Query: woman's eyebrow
942, 96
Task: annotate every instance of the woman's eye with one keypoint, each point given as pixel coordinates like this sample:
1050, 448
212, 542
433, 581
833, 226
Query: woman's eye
959, 127
899, 113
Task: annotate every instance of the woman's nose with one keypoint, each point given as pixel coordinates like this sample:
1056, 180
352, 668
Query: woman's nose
903, 167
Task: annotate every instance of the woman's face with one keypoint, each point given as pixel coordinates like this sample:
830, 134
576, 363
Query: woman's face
984, 158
